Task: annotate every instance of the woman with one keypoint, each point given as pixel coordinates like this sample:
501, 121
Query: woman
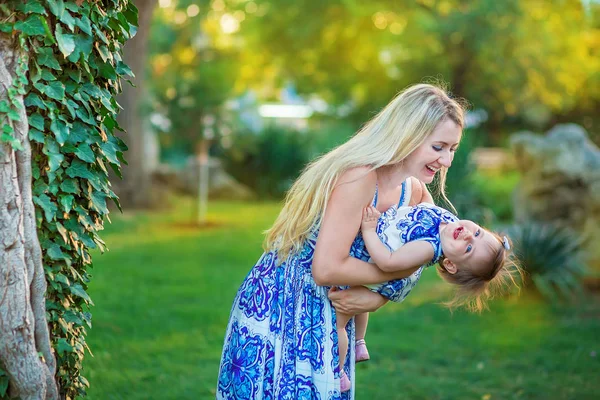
281, 340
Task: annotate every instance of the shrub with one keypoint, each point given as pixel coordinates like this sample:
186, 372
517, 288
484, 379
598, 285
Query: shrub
552, 257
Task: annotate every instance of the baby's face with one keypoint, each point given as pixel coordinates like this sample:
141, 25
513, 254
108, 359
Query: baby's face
467, 244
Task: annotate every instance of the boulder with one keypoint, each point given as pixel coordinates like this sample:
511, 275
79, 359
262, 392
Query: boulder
560, 181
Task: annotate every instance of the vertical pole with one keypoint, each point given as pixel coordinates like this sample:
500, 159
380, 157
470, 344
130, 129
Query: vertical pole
203, 183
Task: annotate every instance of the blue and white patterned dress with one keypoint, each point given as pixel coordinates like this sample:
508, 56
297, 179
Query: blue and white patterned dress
281, 340
406, 224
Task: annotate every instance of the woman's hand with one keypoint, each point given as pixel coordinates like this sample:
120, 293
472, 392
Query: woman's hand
356, 300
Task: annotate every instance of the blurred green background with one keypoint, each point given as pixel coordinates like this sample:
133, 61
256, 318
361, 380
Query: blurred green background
234, 97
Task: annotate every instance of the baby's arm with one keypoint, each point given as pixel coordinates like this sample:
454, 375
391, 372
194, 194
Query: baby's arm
411, 255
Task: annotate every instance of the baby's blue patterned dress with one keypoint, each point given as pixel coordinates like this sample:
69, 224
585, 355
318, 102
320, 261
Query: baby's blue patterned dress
401, 225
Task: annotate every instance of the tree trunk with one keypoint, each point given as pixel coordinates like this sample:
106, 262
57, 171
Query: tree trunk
23, 325
135, 188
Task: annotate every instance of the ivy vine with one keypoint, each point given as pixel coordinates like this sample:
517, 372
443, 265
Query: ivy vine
69, 71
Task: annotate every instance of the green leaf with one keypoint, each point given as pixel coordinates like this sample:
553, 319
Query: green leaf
78, 290
99, 202
55, 90
4, 106
79, 133
31, 26
57, 7
60, 131
37, 121
123, 69
66, 42
66, 202
36, 135
62, 346
7, 129
73, 318
79, 169
75, 75
3, 385
55, 252
68, 20
47, 75
83, 46
85, 153
55, 160
47, 205
84, 24
31, 7
69, 186
46, 57
33, 100
13, 115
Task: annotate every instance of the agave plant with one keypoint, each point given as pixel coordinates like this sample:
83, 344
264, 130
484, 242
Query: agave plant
552, 257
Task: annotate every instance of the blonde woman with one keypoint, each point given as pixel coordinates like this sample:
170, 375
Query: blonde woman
281, 340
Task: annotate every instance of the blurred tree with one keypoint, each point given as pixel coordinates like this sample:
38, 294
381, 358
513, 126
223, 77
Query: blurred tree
193, 70
134, 188
524, 62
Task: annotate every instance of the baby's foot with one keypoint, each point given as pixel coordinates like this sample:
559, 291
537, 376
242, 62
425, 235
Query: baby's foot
345, 383
360, 348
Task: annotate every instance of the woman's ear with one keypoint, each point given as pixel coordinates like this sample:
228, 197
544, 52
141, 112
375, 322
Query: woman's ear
449, 266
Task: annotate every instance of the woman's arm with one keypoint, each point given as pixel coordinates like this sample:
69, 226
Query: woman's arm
332, 264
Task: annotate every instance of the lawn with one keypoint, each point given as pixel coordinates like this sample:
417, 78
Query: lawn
164, 290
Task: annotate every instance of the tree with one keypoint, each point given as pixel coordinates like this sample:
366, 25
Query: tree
135, 188
60, 69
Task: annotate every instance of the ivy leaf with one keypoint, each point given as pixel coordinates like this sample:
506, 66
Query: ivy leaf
84, 24
69, 186
66, 202
31, 7
31, 26
85, 153
78, 290
47, 205
60, 130
47, 75
4, 106
79, 133
123, 69
36, 135
57, 7
55, 160
55, 90
83, 46
46, 57
66, 42
33, 100
68, 20
62, 346
55, 252
99, 202
79, 169
37, 121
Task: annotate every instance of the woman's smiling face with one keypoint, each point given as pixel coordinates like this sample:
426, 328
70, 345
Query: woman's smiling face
437, 151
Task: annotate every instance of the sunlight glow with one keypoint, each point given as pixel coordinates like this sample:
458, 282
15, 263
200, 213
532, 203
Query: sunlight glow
193, 10
284, 111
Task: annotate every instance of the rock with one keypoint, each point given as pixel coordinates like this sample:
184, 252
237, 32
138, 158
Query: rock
560, 181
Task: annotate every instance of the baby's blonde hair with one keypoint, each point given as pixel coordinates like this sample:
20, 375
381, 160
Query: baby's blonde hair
476, 286
387, 139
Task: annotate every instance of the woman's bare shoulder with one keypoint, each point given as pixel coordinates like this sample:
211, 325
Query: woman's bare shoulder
363, 175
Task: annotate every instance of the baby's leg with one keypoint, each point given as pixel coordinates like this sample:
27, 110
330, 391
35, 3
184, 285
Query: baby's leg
361, 353
361, 321
342, 321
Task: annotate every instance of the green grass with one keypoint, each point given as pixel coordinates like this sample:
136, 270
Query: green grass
164, 291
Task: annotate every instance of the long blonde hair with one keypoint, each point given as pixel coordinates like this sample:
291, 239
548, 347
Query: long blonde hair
387, 139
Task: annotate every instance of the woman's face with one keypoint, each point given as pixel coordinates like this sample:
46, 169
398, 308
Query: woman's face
436, 152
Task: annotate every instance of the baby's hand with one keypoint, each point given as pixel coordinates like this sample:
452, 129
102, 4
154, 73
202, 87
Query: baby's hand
369, 218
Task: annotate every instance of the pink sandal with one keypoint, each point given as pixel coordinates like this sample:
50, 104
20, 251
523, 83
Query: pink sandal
360, 348
345, 383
